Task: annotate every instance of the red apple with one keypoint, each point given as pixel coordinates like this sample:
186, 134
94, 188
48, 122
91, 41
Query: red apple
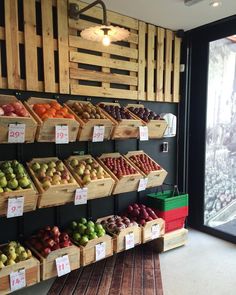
64, 237
46, 251
55, 231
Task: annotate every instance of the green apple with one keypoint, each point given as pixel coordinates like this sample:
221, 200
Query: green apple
51, 164
14, 163
83, 220
19, 249
8, 170
3, 181
20, 175
76, 236
86, 179
73, 225
60, 166
89, 230
93, 236
81, 228
98, 226
19, 168
84, 240
46, 185
23, 256
100, 233
5, 165
1, 190
12, 184
35, 166
90, 223
74, 163
79, 171
1, 174
89, 161
10, 176
24, 182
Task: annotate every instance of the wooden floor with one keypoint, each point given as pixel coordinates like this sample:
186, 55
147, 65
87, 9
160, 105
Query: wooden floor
136, 271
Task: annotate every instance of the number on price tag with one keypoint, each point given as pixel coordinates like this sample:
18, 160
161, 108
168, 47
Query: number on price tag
15, 207
155, 231
143, 133
98, 133
62, 134
100, 251
16, 133
142, 184
63, 265
17, 280
81, 196
129, 241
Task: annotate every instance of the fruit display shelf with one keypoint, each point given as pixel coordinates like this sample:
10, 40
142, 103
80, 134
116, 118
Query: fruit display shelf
126, 125
156, 125
147, 230
12, 114
47, 125
147, 167
122, 171
89, 173
53, 191
89, 116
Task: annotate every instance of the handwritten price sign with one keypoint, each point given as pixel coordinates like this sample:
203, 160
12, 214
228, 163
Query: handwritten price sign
129, 241
81, 196
143, 133
98, 133
15, 207
62, 134
16, 133
100, 251
63, 265
155, 231
142, 184
17, 280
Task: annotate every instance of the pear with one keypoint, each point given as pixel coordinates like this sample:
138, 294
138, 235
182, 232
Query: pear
12, 256
13, 244
1, 265
23, 256
10, 262
3, 258
19, 249
11, 249
29, 253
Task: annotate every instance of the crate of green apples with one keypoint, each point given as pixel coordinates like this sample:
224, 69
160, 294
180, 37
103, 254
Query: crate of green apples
15, 182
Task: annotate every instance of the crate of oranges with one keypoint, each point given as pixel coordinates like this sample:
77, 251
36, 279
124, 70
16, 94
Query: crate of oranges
49, 114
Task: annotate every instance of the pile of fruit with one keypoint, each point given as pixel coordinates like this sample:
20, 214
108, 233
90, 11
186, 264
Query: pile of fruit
51, 110
119, 166
12, 253
87, 170
49, 239
14, 109
87, 111
114, 224
118, 113
140, 213
51, 173
13, 177
144, 163
145, 114
83, 231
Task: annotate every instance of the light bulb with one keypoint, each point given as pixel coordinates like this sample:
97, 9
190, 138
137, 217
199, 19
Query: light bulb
106, 40
215, 3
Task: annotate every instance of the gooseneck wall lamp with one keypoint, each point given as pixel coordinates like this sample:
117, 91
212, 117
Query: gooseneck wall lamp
104, 33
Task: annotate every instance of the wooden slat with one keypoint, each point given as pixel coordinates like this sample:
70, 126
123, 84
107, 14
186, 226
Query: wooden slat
141, 60
106, 70
133, 74
150, 63
117, 275
84, 280
31, 65
1, 81
48, 49
71, 282
160, 64
57, 285
95, 278
138, 274
168, 65
12, 44
176, 73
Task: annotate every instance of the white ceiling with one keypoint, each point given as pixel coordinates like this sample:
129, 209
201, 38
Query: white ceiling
172, 14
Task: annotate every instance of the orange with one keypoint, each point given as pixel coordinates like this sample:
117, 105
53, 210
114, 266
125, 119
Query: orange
55, 105
40, 111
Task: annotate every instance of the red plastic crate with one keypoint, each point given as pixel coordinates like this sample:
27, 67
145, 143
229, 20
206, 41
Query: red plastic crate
174, 224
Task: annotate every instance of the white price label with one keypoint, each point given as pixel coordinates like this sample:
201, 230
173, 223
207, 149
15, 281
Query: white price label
62, 134
129, 241
17, 280
100, 251
143, 133
142, 184
81, 196
63, 265
16, 133
15, 207
155, 231
98, 133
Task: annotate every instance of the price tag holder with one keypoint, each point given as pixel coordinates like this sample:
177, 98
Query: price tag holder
17, 280
155, 231
143, 133
62, 134
100, 251
15, 207
98, 133
81, 196
63, 265
129, 241
16, 133
142, 184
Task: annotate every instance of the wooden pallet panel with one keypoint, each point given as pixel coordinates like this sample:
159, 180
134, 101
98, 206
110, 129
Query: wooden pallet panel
133, 74
168, 65
150, 62
141, 60
176, 73
160, 64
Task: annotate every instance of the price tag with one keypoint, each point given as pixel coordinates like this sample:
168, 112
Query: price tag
16, 133
143, 133
62, 134
15, 207
98, 133
63, 265
129, 241
142, 184
155, 231
100, 251
17, 280
81, 196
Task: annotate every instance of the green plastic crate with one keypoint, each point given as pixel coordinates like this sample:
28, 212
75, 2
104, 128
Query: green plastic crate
165, 201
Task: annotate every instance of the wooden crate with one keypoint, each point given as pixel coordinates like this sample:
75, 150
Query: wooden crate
48, 267
155, 178
86, 128
88, 252
156, 128
127, 183
125, 128
30, 122
98, 188
119, 240
46, 129
32, 274
56, 195
147, 229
